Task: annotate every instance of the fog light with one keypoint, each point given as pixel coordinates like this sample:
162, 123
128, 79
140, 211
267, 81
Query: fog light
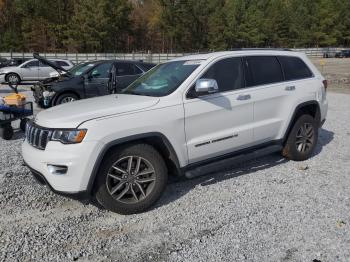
57, 170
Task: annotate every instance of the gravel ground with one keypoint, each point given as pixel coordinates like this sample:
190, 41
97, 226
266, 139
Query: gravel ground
269, 209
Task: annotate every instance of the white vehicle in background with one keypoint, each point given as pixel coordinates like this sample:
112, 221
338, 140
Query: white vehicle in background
187, 117
31, 70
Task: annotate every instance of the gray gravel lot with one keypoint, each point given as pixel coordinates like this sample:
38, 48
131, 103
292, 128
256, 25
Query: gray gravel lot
269, 209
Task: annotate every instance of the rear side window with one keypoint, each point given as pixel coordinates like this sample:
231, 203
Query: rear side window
262, 70
34, 63
61, 63
294, 68
125, 69
147, 67
228, 73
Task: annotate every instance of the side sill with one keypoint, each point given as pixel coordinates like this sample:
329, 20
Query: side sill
215, 164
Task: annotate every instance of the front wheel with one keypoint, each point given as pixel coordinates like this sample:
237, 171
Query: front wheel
131, 179
302, 139
13, 79
66, 98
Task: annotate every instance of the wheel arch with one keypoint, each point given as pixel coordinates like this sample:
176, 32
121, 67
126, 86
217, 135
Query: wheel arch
311, 108
67, 91
155, 139
13, 73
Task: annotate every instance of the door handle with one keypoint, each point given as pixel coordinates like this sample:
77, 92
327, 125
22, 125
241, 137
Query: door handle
243, 97
290, 88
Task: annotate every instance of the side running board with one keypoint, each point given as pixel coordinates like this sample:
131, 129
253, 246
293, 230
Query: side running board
219, 165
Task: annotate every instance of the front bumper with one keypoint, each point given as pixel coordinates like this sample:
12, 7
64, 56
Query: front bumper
79, 158
83, 196
39, 98
2, 79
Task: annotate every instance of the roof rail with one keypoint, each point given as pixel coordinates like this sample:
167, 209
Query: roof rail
254, 49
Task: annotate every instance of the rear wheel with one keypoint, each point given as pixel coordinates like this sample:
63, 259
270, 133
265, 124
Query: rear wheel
6, 132
131, 179
66, 98
302, 139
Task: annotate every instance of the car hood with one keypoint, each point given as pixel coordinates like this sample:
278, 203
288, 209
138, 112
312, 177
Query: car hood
71, 115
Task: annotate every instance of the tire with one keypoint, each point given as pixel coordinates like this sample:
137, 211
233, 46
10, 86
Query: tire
134, 196
23, 123
66, 98
6, 132
13, 78
302, 139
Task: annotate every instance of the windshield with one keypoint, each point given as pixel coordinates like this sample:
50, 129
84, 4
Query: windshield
162, 79
80, 68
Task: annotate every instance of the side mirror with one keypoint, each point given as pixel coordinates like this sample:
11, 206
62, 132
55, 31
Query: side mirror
209, 86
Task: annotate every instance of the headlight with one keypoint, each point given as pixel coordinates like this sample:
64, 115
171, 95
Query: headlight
69, 136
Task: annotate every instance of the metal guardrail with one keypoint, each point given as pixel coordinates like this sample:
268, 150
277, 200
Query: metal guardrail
146, 57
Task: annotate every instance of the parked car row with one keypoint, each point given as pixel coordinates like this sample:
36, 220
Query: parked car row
31, 70
331, 53
186, 117
12, 62
85, 80
59, 81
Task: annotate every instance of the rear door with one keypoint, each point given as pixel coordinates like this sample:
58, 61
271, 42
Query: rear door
126, 74
273, 96
219, 123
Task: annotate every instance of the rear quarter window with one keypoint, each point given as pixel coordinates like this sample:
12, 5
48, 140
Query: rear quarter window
294, 68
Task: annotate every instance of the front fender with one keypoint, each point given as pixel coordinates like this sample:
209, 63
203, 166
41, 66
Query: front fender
130, 139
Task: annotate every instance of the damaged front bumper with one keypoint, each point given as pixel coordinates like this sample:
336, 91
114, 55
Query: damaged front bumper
43, 95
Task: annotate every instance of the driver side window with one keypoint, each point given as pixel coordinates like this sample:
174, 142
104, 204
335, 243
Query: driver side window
101, 71
228, 73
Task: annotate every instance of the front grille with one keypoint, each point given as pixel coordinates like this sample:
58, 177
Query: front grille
37, 136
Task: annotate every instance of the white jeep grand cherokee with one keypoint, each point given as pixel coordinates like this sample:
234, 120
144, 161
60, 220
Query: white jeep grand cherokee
189, 116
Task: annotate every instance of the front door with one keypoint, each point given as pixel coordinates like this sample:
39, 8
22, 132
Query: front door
44, 71
219, 123
96, 82
30, 70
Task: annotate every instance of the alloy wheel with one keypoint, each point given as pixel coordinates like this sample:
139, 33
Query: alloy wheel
67, 99
13, 79
130, 179
305, 137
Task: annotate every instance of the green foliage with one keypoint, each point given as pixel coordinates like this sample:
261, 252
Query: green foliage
171, 25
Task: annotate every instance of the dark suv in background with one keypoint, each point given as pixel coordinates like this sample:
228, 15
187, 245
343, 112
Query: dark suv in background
12, 62
88, 79
343, 53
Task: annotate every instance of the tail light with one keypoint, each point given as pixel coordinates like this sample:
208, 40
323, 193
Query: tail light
325, 84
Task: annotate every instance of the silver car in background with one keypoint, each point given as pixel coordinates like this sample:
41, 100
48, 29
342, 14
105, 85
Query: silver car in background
31, 70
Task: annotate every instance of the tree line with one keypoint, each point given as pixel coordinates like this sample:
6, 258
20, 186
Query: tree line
171, 25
